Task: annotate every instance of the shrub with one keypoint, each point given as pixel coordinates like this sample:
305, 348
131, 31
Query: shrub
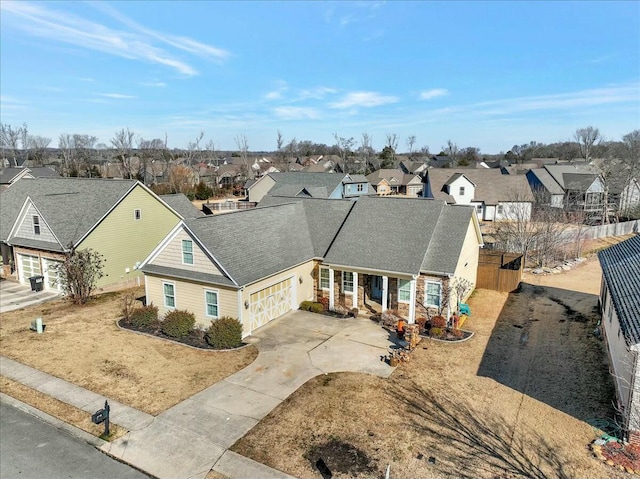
421, 322
144, 317
224, 333
128, 305
178, 323
435, 332
306, 305
325, 303
316, 308
438, 322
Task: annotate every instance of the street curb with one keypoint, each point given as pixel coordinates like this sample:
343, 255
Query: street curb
54, 421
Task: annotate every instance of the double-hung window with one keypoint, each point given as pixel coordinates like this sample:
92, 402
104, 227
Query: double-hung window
187, 252
169, 291
211, 300
36, 225
462, 191
137, 215
347, 282
433, 293
404, 290
324, 278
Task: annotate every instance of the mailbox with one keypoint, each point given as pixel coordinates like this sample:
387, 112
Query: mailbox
99, 416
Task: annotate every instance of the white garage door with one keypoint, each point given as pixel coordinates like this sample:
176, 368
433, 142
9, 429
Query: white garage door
269, 303
29, 266
52, 274
414, 190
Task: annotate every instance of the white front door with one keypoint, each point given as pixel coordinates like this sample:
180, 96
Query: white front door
270, 303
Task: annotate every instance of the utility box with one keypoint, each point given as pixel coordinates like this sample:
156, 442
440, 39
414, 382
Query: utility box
37, 283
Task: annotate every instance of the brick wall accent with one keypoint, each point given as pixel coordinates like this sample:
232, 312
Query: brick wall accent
634, 437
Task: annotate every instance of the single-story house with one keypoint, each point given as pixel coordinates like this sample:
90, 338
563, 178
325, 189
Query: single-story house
412, 255
494, 195
43, 219
620, 307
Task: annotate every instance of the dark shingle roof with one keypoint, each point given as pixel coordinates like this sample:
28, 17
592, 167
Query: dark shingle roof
71, 206
547, 181
181, 205
265, 240
394, 234
621, 269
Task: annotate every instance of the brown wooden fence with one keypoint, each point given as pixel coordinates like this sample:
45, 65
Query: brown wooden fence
499, 271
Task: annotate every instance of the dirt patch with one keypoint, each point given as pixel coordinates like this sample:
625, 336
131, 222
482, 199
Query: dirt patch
83, 345
513, 401
337, 456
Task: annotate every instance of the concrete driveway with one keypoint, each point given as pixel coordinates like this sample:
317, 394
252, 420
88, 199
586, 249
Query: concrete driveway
190, 438
14, 295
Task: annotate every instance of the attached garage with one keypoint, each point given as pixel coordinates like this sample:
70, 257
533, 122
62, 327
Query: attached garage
28, 266
52, 274
271, 302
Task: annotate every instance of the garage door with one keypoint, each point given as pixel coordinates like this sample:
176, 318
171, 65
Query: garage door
269, 303
29, 266
52, 274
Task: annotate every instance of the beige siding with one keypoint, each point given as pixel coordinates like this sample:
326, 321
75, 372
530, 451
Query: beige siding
191, 296
171, 256
260, 188
25, 228
301, 291
125, 241
467, 267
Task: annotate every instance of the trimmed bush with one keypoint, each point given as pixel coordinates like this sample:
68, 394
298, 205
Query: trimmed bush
435, 332
224, 333
306, 305
144, 317
325, 303
316, 308
438, 322
178, 323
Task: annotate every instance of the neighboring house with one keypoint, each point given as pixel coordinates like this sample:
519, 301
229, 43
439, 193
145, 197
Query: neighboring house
413, 167
394, 182
316, 185
620, 307
43, 219
494, 195
9, 176
181, 205
256, 265
229, 175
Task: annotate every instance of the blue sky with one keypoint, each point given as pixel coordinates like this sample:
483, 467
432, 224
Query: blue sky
485, 74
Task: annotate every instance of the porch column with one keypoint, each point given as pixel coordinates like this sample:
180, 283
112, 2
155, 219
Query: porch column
355, 290
412, 301
331, 293
385, 293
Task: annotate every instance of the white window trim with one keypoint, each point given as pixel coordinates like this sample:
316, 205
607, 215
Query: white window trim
206, 305
164, 295
360, 187
137, 214
183, 252
407, 301
36, 224
322, 268
426, 295
500, 209
461, 190
352, 285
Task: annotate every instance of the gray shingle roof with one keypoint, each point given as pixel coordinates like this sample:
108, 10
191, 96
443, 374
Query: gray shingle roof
71, 206
547, 181
188, 275
558, 172
621, 269
492, 187
264, 241
181, 205
387, 174
394, 234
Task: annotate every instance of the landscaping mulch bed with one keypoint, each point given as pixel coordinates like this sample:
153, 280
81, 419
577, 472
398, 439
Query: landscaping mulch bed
450, 336
625, 457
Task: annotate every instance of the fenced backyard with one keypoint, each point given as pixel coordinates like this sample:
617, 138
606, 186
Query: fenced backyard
499, 271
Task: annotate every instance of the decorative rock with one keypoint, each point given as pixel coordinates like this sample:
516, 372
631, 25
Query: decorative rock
565, 267
538, 271
610, 462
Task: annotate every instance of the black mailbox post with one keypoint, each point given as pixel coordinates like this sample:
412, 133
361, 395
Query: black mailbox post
102, 416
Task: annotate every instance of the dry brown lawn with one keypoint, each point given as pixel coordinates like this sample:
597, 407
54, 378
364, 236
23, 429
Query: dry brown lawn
83, 345
511, 402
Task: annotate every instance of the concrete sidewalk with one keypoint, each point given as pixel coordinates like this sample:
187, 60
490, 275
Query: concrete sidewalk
193, 437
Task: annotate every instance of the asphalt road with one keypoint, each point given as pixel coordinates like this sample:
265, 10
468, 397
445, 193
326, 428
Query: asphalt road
31, 448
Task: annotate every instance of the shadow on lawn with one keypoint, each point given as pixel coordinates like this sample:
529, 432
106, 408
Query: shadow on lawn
467, 444
543, 345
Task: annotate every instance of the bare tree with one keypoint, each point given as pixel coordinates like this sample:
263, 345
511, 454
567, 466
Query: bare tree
411, 141
452, 151
123, 143
586, 138
79, 274
392, 143
65, 145
345, 150
367, 154
24, 140
10, 139
243, 148
181, 178
38, 146
84, 150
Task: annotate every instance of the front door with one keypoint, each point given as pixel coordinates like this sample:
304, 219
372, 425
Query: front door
376, 288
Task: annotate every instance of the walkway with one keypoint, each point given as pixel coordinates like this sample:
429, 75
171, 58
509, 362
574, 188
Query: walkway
191, 438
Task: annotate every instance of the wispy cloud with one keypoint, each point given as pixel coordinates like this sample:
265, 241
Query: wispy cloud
433, 93
138, 43
155, 84
119, 96
277, 93
365, 99
296, 113
10, 103
87, 79
317, 93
